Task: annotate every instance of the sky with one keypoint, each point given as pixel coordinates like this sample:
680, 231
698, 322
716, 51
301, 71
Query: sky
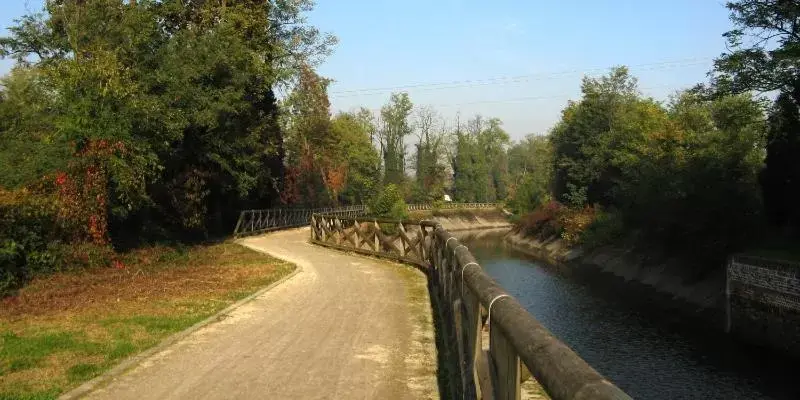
517, 60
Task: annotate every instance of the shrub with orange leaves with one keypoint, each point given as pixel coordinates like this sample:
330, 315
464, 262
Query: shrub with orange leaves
554, 218
575, 221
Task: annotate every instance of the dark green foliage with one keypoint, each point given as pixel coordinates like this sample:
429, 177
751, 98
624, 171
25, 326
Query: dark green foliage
29, 147
764, 48
764, 56
159, 118
780, 179
27, 229
430, 169
395, 128
361, 157
590, 134
186, 89
388, 203
683, 176
480, 162
530, 173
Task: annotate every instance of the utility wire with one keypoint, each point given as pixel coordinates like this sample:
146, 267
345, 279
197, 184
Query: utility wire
522, 99
513, 79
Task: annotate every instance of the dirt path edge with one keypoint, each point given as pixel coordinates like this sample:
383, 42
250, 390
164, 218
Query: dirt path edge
135, 360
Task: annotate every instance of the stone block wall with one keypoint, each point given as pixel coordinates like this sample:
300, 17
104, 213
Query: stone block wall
763, 302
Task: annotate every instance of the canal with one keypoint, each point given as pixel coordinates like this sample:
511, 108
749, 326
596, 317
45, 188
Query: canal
648, 349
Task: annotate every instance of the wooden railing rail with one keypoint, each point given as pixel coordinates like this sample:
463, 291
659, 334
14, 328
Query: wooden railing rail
471, 301
451, 206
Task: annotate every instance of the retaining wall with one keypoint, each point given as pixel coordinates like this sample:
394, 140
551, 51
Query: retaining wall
763, 302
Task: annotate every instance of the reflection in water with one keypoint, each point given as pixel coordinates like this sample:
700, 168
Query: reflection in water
647, 350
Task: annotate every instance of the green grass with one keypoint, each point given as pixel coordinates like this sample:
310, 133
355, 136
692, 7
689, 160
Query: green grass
82, 372
68, 328
22, 393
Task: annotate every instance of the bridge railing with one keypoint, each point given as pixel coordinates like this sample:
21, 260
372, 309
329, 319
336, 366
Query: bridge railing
253, 222
450, 206
518, 345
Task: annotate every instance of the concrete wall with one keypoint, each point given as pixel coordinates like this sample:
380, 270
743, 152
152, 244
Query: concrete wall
671, 277
465, 219
763, 304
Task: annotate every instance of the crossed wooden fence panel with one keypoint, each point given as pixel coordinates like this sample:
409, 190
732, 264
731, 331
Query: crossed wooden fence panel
385, 238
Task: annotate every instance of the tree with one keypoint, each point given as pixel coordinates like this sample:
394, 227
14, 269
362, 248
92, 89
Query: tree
29, 148
395, 127
184, 91
780, 179
494, 140
765, 57
430, 172
479, 162
765, 48
530, 163
589, 133
311, 157
693, 186
363, 160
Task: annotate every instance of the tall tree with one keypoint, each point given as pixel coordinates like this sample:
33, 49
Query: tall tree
764, 48
765, 57
395, 128
182, 91
495, 141
362, 159
429, 169
530, 163
587, 135
780, 179
311, 157
479, 160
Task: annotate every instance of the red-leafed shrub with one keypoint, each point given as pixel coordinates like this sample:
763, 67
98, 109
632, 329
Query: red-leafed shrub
553, 218
58, 222
544, 221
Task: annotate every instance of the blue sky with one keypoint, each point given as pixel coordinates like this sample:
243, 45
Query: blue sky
547, 45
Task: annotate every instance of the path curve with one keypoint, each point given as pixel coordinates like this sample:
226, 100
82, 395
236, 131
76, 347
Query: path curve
342, 328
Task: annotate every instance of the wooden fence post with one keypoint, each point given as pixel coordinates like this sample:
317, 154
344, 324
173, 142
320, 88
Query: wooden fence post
505, 366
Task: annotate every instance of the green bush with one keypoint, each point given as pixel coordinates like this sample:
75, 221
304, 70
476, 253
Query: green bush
388, 203
607, 227
28, 225
36, 239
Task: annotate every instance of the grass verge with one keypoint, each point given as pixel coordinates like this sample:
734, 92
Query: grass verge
67, 328
421, 363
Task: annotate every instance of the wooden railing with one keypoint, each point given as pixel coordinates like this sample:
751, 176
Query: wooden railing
252, 222
469, 302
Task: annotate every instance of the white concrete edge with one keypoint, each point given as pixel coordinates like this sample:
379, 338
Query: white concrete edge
135, 360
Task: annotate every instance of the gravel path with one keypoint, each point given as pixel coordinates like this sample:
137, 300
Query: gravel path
345, 327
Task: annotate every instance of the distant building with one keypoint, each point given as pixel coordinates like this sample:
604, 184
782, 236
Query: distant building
447, 198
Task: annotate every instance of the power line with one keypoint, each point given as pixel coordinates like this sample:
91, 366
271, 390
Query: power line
513, 79
522, 99
529, 98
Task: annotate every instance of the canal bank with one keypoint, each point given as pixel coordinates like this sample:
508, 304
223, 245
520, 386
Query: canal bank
640, 340
672, 277
754, 299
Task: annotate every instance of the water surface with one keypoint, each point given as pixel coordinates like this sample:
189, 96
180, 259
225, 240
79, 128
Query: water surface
648, 350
